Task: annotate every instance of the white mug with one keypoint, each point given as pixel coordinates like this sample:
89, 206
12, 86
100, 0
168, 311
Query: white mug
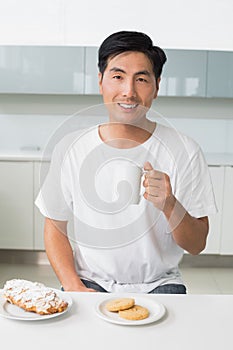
127, 181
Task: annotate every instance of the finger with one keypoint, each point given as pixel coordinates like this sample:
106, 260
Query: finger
153, 191
154, 177
150, 197
148, 166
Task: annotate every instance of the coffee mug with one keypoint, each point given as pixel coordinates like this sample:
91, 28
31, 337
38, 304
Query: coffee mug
127, 183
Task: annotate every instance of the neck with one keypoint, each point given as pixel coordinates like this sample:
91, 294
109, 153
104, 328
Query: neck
126, 135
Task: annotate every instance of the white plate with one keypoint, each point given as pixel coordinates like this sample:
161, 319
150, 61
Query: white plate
14, 312
156, 311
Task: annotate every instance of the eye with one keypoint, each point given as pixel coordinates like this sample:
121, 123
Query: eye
142, 80
117, 77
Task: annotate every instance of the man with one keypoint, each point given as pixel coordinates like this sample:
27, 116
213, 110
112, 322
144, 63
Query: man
136, 248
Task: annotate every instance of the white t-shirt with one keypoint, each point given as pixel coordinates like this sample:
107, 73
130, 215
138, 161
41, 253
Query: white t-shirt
124, 248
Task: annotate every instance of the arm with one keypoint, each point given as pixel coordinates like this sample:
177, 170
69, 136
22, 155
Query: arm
60, 255
189, 232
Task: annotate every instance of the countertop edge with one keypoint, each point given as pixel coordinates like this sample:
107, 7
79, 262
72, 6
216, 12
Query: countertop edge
212, 159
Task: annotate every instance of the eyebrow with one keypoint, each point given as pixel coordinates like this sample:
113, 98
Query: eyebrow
142, 72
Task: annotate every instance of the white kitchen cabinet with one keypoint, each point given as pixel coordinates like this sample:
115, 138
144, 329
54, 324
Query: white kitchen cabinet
226, 246
215, 229
215, 220
220, 74
16, 210
71, 70
40, 171
42, 69
91, 71
22, 224
38, 217
184, 73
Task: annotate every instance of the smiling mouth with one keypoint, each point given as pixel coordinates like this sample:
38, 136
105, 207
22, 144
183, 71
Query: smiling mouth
128, 106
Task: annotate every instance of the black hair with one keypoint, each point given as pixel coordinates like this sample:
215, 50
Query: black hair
123, 41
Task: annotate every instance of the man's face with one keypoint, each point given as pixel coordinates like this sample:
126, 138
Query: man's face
128, 87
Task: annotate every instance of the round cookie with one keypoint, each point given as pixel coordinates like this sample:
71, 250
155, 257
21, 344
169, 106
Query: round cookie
136, 312
120, 304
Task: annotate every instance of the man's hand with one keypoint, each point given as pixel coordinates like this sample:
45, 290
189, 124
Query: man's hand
158, 188
189, 232
80, 288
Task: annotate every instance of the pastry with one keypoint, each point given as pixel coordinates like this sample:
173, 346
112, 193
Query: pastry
33, 296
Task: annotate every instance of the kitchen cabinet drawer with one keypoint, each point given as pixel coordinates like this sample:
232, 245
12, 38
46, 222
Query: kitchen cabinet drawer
220, 74
42, 69
16, 210
184, 73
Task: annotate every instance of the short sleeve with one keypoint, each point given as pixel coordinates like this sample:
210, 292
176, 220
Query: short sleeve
54, 200
195, 189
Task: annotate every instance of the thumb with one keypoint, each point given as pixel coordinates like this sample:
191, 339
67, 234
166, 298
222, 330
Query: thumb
148, 166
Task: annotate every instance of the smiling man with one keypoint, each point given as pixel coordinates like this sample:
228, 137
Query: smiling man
136, 248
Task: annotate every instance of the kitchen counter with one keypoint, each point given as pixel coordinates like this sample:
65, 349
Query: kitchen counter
23, 156
214, 159
190, 322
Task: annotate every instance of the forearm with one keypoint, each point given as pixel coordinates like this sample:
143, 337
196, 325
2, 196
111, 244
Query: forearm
60, 254
189, 232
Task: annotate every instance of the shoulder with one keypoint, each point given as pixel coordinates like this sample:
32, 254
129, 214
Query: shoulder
176, 140
68, 141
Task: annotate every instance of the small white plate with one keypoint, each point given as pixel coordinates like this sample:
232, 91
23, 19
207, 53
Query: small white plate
156, 311
14, 312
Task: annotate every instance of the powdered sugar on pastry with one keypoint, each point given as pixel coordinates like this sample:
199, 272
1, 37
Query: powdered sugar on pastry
33, 296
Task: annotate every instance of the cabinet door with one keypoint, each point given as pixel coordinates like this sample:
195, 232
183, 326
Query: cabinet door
42, 69
184, 73
39, 219
214, 237
16, 210
220, 74
40, 171
91, 70
227, 219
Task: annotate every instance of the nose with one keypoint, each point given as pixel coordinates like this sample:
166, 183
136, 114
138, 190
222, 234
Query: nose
128, 89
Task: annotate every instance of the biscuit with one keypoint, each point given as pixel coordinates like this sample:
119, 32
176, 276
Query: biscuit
136, 312
120, 304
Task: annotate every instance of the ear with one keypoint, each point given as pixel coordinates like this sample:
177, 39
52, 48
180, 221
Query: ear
100, 79
157, 87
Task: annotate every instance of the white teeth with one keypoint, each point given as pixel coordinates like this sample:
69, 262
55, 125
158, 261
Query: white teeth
127, 106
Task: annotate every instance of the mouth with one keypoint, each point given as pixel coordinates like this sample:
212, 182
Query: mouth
128, 106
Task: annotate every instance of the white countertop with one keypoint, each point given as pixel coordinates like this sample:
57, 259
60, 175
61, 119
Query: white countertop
22, 156
214, 159
219, 159
191, 322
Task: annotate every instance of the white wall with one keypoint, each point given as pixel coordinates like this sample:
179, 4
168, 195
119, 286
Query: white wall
30, 121
33, 133
194, 24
